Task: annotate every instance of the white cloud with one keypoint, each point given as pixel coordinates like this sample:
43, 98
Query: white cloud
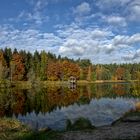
122, 42
99, 45
126, 40
72, 47
115, 20
98, 33
129, 10
82, 42
133, 10
37, 18
36, 15
82, 9
29, 40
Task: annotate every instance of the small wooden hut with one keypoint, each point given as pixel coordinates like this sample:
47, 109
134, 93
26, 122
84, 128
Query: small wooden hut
72, 80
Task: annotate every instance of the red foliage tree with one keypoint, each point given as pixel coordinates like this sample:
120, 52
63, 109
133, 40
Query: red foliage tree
17, 67
54, 71
3, 66
70, 69
120, 73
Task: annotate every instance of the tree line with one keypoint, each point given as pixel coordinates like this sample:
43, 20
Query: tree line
26, 66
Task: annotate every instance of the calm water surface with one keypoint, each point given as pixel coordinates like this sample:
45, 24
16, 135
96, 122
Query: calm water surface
53, 107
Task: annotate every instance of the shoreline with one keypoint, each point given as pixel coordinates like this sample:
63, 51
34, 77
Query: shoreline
29, 84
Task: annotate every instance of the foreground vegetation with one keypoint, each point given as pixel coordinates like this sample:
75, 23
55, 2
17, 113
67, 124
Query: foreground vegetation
14, 130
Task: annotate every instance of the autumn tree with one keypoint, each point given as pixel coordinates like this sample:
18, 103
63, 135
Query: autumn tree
17, 68
70, 69
22, 65
120, 72
54, 71
3, 67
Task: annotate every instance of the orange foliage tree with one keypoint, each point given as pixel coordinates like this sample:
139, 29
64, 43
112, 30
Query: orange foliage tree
70, 69
17, 68
3, 66
120, 73
54, 71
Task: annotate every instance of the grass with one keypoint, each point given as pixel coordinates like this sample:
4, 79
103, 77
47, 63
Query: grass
14, 130
11, 129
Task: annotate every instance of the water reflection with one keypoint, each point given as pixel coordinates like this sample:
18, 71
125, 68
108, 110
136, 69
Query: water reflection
53, 107
100, 112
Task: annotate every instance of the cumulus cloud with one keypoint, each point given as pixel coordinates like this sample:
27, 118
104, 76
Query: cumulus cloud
91, 42
82, 12
97, 44
83, 42
127, 10
29, 40
115, 20
126, 40
134, 10
82, 9
122, 42
72, 47
36, 17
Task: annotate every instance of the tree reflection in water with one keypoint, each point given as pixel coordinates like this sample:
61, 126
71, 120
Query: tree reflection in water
52, 106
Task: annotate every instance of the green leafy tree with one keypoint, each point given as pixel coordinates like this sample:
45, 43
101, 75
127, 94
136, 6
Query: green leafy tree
89, 73
93, 76
127, 75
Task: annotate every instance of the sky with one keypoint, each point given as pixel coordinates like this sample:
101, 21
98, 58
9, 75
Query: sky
104, 31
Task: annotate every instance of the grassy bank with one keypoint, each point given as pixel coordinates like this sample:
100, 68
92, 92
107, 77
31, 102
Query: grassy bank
14, 130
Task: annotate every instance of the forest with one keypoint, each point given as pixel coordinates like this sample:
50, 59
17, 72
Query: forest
44, 66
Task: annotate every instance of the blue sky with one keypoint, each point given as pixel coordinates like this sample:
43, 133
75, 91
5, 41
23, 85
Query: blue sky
104, 31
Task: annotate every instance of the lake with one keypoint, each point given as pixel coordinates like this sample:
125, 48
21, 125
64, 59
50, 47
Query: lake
57, 107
